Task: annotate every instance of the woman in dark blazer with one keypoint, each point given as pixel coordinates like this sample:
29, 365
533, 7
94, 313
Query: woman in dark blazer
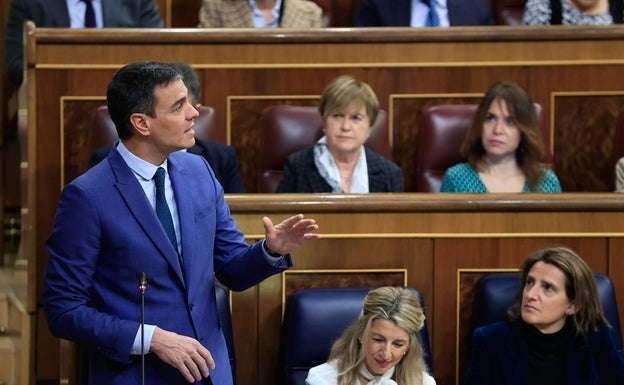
557, 333
339, 162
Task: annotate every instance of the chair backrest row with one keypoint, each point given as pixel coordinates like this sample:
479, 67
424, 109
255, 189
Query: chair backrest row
287, 129
314, 318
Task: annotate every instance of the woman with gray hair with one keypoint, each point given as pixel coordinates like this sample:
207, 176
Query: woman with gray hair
380, 347
339, 162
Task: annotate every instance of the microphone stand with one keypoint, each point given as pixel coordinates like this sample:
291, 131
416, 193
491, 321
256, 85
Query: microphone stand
142, 287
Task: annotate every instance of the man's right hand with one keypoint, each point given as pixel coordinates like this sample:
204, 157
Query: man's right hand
186, 354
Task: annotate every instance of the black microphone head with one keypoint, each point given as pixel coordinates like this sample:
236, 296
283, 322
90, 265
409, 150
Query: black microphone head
142, 281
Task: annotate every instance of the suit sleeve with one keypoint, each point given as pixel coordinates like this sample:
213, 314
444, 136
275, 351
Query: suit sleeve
609, 361
150, 18
209, 15
397, 180
234, 181
288, 182
480, 369
367, 15
13, 40
74, 247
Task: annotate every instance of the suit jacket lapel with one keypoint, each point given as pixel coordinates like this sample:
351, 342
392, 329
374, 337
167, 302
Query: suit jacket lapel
515, 359
109, 7
59, 12
186, 214
145, 214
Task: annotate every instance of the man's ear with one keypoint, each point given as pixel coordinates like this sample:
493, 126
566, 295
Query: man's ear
140, 124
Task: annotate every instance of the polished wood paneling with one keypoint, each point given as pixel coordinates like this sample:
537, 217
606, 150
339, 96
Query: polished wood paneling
444, 241
585, 121
243, 72
431, 236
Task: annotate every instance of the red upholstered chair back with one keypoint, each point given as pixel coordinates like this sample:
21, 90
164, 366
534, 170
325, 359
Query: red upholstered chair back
103, 131
288, 129
441, 134
618, 145
508, 12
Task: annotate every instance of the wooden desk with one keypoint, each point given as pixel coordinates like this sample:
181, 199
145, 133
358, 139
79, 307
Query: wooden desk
439, 243
572, 72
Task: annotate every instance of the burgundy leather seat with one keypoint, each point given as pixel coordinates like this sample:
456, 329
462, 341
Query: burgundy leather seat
441, 134
288, 129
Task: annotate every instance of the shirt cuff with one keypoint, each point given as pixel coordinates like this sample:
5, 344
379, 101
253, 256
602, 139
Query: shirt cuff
148, 332
270, 253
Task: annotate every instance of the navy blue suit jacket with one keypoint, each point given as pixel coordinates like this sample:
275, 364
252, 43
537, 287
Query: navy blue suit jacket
500, 357
397, 13
220, 157
54, 14
302, 176
105, 233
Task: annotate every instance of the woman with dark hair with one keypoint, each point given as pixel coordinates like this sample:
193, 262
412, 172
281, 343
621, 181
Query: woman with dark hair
557, 332
503, 147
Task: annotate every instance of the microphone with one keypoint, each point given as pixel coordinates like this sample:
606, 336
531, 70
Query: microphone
142, 287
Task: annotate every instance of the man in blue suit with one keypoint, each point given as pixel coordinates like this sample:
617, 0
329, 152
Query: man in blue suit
106, 233
406, 13
70, 13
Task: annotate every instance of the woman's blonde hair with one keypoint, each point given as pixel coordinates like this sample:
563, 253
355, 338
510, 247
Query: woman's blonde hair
395, 304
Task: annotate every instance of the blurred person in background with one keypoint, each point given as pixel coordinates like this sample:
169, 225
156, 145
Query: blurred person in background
72, 14
260, 14
573, 12
423, 13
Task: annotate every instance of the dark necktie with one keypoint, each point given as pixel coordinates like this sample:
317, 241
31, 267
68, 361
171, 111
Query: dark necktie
89, 15
432, 19
162, 208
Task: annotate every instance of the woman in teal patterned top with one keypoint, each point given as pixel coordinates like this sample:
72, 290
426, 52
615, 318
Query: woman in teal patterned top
503, 147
